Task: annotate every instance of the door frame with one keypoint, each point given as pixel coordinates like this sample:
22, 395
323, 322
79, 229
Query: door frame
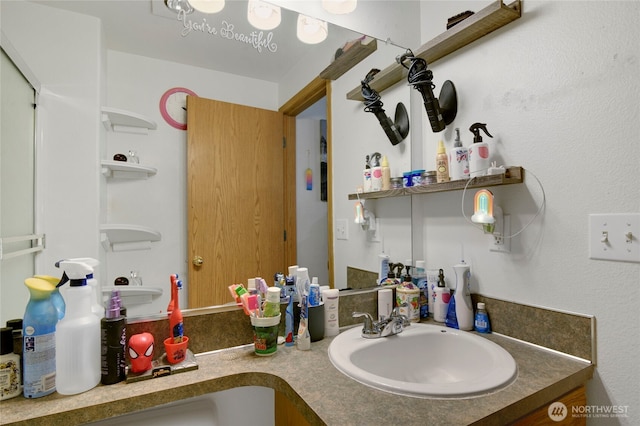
310, 94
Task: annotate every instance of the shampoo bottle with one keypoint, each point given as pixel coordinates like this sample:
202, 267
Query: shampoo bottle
460, 311
39, 340
442, 164
458, 159
479, 155
386, 174
113, 341
77, 335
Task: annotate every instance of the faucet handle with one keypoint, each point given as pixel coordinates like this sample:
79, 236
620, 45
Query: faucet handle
368, 328
395, 314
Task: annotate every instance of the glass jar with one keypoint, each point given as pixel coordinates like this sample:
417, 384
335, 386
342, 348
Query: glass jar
396, 183
428, 177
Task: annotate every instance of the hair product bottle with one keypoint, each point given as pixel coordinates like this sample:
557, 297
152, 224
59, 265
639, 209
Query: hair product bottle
113, 340
442, 164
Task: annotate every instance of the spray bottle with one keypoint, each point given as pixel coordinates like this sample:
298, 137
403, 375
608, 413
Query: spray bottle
113, 340
77, 334
39, 340
56, 297
460, 311
458, 159
479, 155
96, 291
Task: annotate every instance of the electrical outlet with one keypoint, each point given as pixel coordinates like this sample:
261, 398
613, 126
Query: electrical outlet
614, 237
498, 242
342, 229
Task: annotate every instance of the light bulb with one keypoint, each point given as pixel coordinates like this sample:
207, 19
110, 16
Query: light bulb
263, 16
207, 6
311, 30
339, 7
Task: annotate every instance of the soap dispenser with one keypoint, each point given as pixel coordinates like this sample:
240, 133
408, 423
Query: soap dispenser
376, 172
458, 159
460, 311
479, 155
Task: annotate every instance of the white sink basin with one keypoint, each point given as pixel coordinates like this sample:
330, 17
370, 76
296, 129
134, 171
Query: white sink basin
425, 361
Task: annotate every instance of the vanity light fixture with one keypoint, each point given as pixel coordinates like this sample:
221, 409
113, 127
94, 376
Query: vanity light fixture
339, 7
178, 6
311, 30
207, 6
262, 15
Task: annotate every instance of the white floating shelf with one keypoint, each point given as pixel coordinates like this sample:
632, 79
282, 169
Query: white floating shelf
119, 120
124, 237
133, 295
124, 170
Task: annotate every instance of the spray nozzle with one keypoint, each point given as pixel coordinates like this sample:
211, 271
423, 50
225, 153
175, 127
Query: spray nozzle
475, 129
375, 159
457, 142
75, 271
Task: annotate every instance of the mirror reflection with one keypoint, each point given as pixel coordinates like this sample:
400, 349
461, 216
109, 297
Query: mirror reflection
135, 76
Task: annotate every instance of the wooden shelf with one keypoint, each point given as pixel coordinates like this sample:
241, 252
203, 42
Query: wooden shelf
513, 175
489, 19
353, 56
119, 120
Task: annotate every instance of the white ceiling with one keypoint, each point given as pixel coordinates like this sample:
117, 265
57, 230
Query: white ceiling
148, 28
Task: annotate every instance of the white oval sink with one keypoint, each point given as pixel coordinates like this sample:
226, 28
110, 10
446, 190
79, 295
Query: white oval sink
425, 361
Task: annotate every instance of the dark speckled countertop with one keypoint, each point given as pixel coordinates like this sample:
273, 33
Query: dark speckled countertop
320, 392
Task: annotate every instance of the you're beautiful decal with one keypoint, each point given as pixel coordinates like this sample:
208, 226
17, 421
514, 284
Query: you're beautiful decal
257, 39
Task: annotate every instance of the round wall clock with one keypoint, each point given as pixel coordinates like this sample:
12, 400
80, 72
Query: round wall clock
173, 107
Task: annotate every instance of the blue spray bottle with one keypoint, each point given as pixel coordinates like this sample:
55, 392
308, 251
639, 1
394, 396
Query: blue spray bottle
39, 340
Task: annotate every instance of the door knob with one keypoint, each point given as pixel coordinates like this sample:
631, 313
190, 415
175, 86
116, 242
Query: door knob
198, 261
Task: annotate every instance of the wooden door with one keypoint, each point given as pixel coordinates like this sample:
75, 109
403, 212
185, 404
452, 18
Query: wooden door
235, 198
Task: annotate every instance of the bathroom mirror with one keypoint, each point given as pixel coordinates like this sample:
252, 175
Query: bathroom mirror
133, 6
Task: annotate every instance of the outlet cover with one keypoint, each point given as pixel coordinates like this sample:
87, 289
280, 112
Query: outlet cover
342, 229
498, 242
615, 237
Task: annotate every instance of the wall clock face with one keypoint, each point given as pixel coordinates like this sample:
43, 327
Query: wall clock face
173, 107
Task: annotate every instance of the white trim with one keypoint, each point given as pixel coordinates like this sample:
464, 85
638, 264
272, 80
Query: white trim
22, 66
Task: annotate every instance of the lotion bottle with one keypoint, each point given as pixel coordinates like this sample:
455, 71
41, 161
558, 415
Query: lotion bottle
442, 164
331, 315
77, 335
458, 159
479, 155
460, 311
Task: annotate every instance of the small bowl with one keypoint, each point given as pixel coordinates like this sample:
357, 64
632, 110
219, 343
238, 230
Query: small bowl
176, 352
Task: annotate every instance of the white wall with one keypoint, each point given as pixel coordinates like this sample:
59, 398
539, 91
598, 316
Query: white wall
68, 67
559, 91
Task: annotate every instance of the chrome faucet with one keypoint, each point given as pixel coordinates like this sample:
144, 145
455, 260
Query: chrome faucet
386, 326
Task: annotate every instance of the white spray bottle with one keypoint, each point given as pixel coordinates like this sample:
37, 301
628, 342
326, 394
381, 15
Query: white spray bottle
460, 312
96, 290
77, 334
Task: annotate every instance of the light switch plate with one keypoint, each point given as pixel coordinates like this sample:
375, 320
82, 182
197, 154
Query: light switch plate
615, 236
342, 229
